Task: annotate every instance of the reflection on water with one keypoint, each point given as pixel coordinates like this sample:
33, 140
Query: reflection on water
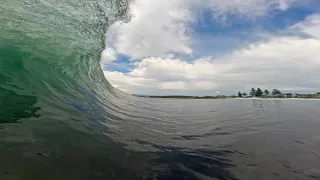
15, 107
14, 102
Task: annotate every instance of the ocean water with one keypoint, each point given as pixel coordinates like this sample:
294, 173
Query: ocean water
60, 118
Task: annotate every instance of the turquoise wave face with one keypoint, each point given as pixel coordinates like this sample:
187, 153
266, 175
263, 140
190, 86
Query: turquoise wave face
54, 97
49, 57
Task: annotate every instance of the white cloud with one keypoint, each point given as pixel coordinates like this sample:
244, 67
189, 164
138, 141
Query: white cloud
131, 84
245, 8
108, 55
310, 26
156, 27
284, 62
161, 27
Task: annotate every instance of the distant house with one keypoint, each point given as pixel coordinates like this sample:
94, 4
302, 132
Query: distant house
288, 95
278, 95
306, 95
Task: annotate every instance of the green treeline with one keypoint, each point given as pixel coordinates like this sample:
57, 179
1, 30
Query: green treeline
259, 93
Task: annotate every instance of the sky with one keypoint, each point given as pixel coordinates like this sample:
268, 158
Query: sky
199, 47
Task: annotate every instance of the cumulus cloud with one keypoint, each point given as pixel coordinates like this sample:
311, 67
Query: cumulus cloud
310, 26
108, 55
285, 62
156, 27
161, 27
159, 33
126, 82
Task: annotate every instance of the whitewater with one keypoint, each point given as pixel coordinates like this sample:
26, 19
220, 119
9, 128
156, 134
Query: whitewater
60, 118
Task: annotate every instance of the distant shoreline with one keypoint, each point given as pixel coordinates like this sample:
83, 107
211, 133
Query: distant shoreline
223, 97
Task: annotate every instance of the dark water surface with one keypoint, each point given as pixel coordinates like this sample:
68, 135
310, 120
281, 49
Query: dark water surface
173, 139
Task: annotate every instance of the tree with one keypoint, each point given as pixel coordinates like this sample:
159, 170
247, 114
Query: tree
244, 94
266, 92
239, 94
252, 92
318, 92
276, 92
258, 92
